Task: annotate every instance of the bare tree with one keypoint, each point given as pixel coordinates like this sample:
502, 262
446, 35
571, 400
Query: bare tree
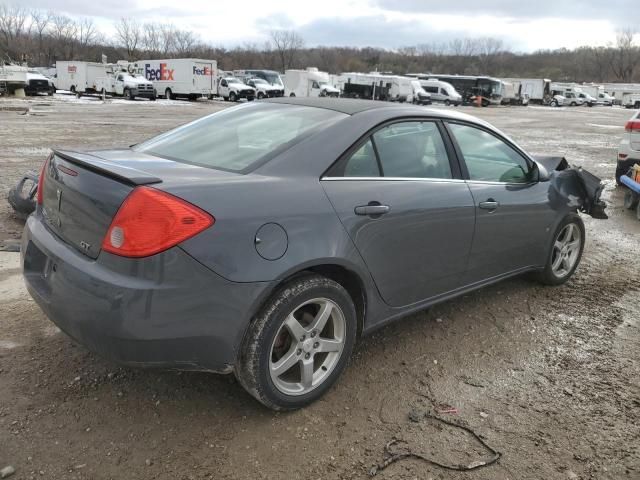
625, 56
167, 38
64, 32
128, 35
40, 20
287, 43
184, 41
13, 23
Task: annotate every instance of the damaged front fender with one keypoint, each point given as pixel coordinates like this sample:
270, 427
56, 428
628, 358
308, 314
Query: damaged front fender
573, 187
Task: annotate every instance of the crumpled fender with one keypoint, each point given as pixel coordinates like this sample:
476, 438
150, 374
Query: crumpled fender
574, 187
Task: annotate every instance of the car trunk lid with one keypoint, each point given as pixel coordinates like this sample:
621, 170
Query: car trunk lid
82, 193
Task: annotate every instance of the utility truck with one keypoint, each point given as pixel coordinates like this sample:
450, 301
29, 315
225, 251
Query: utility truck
82, 77
180, 77
308, 83
38, 83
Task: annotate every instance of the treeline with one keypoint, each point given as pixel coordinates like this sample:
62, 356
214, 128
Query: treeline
42, 37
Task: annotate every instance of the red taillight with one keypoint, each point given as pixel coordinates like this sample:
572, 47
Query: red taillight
150, 221
632, 126
43, 171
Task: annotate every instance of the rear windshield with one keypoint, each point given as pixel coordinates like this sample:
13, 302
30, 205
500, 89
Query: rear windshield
238, 138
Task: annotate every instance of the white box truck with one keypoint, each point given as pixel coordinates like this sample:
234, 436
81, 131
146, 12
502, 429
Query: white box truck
81, 77
308, 83
181, 77
532, 90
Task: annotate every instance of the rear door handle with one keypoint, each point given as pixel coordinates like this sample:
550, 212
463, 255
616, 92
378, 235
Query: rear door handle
372, 210
490, 204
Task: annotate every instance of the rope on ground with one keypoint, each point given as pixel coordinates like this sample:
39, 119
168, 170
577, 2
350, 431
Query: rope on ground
394, 456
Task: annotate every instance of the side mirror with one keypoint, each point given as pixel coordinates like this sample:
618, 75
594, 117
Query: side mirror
539, 173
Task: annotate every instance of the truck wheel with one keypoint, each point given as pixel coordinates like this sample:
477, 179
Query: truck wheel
292, 94
260, 95
232, 97
637, 105
485, 102
554, 103
51, 91
573, 104
167, 94
298, 344
630, 200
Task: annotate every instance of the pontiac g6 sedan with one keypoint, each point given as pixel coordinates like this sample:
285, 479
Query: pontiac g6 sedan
266, 238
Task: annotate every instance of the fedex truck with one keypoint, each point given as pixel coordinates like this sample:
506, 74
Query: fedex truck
181, 77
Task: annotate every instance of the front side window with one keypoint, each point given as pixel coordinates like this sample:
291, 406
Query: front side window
412, 149
488, 158
237, 138
315, 85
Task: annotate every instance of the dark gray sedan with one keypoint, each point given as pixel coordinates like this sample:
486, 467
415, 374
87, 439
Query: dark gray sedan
266, 238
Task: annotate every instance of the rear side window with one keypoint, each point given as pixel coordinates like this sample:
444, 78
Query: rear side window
404, 149
363, 162
412, 149
237, 138
488, 158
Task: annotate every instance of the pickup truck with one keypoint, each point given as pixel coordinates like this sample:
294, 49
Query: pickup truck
232, 89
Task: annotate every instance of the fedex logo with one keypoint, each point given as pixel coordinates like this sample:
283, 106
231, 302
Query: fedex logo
71, 69
203, 71
162, 73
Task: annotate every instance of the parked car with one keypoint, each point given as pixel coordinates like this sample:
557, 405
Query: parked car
629, 149
265, 239
572, 99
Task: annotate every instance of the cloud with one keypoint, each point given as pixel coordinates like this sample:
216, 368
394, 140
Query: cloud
620, 12
373, 31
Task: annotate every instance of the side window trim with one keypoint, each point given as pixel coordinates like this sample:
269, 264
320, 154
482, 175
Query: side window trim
463, 164
457, 172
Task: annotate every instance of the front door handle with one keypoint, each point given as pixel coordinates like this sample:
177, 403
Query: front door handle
489, 204
372, 210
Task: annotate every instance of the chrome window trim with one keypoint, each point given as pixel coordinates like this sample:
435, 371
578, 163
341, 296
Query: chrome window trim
490, 182
396, 179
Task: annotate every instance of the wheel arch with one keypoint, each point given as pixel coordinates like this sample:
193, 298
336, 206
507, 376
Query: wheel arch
346, 275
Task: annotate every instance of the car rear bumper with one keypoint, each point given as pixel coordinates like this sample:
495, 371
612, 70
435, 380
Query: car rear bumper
167, 310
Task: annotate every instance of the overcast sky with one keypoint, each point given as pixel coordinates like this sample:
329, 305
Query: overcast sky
524, 25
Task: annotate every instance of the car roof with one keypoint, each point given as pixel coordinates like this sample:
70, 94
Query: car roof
352, 106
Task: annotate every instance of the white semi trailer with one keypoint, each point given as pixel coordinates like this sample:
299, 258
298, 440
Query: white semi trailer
181, 77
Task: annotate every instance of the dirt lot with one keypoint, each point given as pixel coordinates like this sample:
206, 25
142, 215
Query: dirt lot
549, 377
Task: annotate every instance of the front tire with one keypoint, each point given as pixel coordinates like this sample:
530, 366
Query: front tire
630, 200
232, 97
299, 343
168, 95
565, 251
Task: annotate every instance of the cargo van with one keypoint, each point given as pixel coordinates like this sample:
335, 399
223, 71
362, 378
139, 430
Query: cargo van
441, 92
181, 77
308, 83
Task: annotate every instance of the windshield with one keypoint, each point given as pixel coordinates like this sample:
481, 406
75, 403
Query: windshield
274, 79
260, 81
238, 138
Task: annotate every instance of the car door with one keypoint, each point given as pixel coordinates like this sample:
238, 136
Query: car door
224, 88
119, 84
513, 214
400, 197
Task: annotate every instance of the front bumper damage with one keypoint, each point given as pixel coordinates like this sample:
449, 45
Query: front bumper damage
574, 186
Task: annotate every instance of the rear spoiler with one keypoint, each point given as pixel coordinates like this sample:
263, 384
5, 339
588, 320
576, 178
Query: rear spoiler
110, 169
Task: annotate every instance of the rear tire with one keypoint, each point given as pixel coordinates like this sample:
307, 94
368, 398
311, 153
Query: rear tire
282, 340
564, 254
630, 200
168, 95
292, 94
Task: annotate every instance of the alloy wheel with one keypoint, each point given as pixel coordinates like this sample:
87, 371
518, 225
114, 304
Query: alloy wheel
566, 250
307, 347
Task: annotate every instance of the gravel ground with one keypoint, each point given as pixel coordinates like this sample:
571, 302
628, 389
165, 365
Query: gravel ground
549, 377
